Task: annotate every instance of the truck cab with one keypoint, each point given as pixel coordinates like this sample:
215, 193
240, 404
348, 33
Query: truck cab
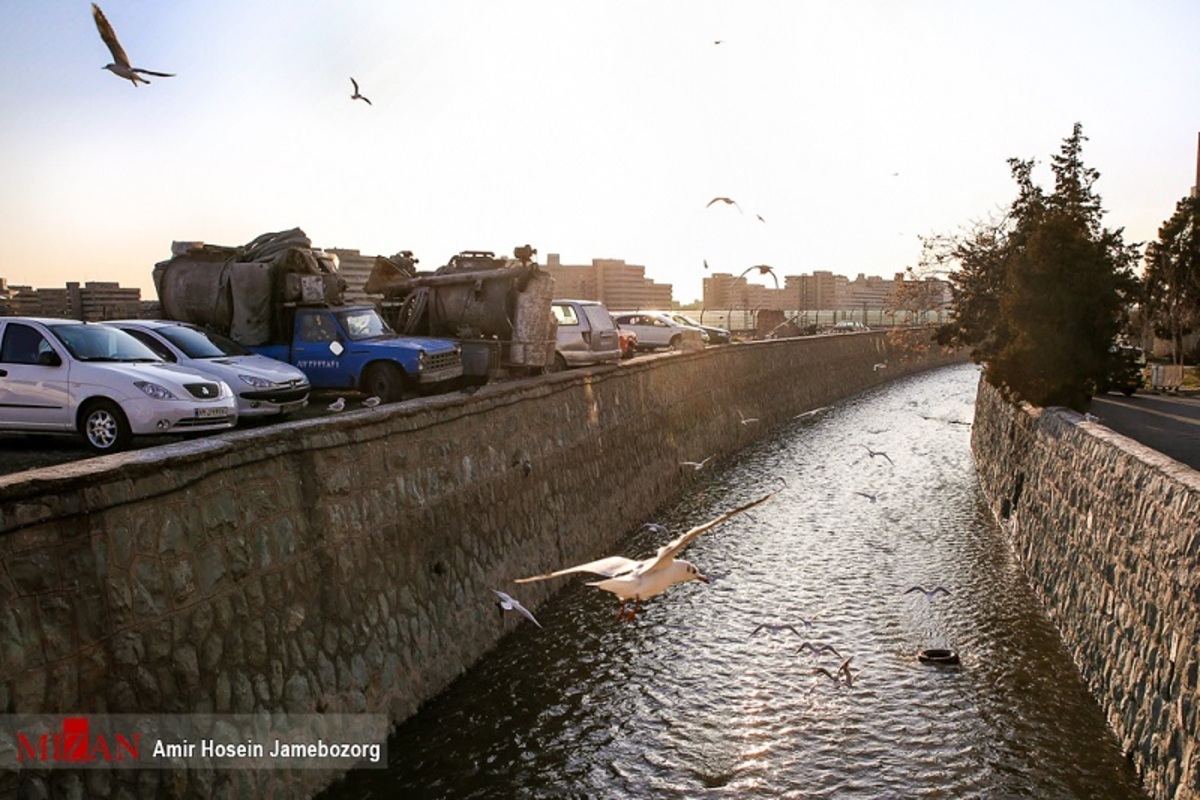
352, 347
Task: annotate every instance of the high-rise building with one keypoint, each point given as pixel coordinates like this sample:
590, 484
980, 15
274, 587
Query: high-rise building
619, 286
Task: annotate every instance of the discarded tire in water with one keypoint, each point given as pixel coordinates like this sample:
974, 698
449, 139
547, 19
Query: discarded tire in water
938, 655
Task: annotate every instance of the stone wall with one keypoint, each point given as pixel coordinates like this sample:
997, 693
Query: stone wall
1108, 532
344, 563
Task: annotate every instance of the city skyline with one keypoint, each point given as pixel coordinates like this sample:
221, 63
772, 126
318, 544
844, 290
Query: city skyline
843, 132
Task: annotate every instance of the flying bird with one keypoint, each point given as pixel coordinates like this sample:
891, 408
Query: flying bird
814, 412
930, 593
760, 217
870, 497
763, 269
634, 581
842, 672
874, 453
706, 263
746, 420
727, 201
121, 66
695, 465
508, 603
337, 405
776, 628
817, 649
356, 95
879, 366
372, 401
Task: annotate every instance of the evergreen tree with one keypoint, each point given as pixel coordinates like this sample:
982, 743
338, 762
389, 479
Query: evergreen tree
1172, 285
1041, 296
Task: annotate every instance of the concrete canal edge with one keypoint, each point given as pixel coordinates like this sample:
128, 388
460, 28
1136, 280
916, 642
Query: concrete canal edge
344, 564
1108, 534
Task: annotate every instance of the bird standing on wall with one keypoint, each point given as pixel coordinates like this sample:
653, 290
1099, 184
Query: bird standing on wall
120, 66
356, 95
371, 402
633, 581
337, 405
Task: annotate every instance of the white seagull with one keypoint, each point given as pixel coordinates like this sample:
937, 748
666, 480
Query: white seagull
356, 95
879, 366
337, 405
695, 465
817, 649
777, 627
836, 677
121, 66
634, 581
726, 200
873, 453
508, 603
372, 401
746, 420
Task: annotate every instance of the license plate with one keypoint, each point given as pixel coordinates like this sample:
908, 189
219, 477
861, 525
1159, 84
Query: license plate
211, 413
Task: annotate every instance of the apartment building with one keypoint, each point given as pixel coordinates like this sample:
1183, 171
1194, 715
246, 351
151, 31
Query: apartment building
611, 281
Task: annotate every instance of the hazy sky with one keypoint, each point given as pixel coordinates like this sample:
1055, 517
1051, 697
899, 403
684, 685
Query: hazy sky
595, 130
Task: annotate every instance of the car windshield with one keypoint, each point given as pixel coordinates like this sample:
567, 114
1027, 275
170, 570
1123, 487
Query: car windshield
195, 343
101, 343
364, 323
683, 319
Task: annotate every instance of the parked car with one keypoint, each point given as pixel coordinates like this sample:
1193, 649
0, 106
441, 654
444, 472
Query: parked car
715, 335
628, 342
586, 334
849, 326
1125, 372
67, 376
657, 329
264, 386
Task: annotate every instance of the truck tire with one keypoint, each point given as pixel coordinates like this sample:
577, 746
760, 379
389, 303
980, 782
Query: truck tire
387, 382
676, 343
104, 426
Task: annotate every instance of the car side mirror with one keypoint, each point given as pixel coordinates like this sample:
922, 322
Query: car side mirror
49, 359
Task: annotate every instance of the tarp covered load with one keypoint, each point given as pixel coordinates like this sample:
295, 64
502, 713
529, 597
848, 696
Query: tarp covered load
242, 291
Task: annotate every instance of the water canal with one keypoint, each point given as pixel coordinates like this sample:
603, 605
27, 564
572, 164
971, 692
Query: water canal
685, 702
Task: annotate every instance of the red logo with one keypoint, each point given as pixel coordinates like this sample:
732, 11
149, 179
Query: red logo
75, 744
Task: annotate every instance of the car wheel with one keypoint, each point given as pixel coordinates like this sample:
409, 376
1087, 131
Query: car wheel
676, 342
104, 427
558, 365
387, 382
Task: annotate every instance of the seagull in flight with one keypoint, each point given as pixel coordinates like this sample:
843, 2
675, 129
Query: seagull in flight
337, 405
874, 453
776, 628
871, 497
836, 677
812, 413
760, 218
930, 593
879, 366
634, 581
727, 201
746, 420
763, 269
695, 465
120, 66
817, 649
356, 95
507, 603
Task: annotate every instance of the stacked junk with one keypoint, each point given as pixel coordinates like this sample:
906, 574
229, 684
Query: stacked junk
497, 308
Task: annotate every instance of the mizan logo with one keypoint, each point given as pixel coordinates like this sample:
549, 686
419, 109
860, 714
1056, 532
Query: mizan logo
76, 744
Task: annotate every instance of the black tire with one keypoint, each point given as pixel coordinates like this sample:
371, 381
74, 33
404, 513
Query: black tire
558, 365
676, 342
387, 382
104, 427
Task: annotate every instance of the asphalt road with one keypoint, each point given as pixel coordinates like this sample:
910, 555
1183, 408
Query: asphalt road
1168, 423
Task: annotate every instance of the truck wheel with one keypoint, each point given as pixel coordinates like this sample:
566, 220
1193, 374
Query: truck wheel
104, 426
387, 382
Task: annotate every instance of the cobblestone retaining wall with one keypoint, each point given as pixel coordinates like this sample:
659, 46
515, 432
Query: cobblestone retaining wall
1108, 532
344, 563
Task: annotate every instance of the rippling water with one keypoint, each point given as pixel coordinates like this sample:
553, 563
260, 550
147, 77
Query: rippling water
684, 702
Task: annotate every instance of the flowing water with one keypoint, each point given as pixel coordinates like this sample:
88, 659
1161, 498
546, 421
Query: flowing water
685, 702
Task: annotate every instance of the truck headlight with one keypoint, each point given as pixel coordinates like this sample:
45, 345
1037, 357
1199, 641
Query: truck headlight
421, 360
155, 391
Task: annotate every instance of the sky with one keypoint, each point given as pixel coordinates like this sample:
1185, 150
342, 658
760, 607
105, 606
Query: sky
590, 130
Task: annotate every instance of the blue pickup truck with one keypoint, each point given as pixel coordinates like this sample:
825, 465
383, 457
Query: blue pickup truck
351, 347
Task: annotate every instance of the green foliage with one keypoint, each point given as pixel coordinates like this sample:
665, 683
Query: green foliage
1172, 282
1041, 294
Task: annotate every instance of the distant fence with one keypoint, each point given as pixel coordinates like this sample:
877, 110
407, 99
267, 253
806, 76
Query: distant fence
746, 320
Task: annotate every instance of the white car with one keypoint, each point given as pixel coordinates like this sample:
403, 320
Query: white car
657, 329
264, 386
65, 376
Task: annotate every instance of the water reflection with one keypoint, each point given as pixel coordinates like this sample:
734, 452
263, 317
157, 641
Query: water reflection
685, 702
